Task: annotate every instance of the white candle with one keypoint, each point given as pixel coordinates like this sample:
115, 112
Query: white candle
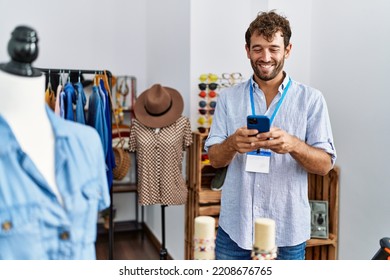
204, 238
264, 234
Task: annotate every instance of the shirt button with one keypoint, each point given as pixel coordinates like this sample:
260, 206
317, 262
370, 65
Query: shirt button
64, 235
6, 226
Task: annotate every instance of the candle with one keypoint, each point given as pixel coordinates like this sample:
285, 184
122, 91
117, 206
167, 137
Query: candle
264, 244
204, 238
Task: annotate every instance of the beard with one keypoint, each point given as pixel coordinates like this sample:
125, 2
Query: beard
268, 75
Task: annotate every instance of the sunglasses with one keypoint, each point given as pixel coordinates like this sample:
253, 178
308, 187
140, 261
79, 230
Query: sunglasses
211, 104
208, 77
230, 79
211, 86
206, 111
202, 120
204, 94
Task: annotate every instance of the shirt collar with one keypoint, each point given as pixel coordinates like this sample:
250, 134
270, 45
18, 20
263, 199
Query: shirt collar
285, 82
281, 87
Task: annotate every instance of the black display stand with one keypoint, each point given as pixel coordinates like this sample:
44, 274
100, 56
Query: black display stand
163, 250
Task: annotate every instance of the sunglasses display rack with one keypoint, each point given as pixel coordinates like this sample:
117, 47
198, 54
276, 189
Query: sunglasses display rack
209, 86
208, 94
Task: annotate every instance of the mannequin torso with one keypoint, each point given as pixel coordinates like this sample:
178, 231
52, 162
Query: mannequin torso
22, 105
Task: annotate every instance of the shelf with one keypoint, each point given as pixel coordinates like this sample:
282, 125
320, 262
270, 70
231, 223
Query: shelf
119, 187
321, 242
209, 196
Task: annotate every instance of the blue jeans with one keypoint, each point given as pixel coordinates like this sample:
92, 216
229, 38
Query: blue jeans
227, 249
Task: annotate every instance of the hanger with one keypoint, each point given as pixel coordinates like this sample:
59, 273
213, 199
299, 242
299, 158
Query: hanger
50, 95
49, 87
95, 79
60, 78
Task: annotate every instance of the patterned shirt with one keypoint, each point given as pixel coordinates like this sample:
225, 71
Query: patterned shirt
282, 194
33, 223
159, 161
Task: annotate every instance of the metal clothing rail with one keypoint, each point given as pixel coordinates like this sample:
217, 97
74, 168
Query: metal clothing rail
50, 71
77, 71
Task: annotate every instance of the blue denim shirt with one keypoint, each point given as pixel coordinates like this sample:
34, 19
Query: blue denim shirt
70, 99
96, 116
80, 103
33, 223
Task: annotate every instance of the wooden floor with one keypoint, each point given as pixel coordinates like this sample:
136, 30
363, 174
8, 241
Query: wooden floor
129, 245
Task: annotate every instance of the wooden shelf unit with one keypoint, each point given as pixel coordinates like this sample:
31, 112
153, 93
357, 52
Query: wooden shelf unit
204, 201
325, 188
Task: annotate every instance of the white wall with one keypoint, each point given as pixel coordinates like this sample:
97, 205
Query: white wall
82, 34
350, 64
338, 47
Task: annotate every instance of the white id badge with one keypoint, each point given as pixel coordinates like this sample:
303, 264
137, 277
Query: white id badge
258, 161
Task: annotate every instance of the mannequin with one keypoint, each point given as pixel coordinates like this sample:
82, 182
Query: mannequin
159, 135
20, 81
25, 113
52, 171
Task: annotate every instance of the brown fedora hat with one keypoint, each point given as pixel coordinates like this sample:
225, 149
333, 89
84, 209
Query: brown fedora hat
158, 106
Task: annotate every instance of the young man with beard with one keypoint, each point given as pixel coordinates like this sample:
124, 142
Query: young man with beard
273, 183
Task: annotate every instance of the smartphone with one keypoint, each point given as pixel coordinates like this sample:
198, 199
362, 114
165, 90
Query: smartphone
259, 122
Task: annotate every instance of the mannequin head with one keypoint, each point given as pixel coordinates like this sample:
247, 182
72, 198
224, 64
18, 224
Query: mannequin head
23, 49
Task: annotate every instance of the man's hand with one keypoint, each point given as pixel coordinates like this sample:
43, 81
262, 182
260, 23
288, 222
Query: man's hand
277, 140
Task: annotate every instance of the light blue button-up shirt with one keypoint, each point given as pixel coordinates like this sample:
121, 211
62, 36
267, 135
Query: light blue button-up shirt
281, 195
33, 223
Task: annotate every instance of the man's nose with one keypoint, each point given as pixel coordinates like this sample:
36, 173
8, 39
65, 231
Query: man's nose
265, 55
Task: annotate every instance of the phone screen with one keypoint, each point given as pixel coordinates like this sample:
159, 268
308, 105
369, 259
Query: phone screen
259, 122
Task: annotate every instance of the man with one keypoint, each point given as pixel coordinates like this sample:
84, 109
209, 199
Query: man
267, 172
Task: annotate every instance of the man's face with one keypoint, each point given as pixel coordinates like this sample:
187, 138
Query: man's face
267, 58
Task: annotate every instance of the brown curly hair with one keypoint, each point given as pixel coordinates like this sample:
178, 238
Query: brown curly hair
267, 24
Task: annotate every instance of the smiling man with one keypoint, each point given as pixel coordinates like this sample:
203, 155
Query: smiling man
267, 172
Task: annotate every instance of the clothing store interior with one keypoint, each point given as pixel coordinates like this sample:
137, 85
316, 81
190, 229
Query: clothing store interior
117, 121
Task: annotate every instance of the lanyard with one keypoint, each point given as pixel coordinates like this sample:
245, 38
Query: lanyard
277, 106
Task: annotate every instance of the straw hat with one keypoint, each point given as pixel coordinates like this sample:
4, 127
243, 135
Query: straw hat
158, 106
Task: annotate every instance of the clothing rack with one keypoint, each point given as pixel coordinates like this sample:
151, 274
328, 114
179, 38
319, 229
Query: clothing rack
50, 71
